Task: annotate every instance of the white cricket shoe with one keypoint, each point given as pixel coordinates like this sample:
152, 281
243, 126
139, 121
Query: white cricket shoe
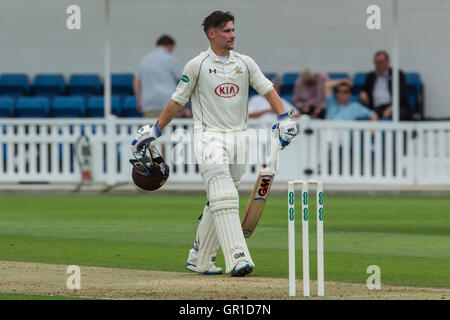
192, 261
212, 270
243, 268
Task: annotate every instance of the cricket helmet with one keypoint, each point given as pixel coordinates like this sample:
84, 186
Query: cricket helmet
150, 172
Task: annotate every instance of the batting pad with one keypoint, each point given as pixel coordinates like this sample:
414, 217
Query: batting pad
231, 238
222, 193
206, 240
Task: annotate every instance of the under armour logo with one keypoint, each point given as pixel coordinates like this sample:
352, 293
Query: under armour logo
211, 71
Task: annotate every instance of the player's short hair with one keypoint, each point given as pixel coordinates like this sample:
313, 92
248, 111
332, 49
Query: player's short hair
165, 40
383, 52
217, 19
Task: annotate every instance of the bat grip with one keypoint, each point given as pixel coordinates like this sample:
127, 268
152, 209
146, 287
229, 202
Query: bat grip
274, 154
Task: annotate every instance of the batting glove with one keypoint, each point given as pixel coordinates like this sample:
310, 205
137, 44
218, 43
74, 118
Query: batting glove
145, 135
285, 130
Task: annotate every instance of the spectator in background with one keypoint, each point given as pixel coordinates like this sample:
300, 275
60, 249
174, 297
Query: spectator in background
377, 90
340, 107
308, 95
259, 107
156, 78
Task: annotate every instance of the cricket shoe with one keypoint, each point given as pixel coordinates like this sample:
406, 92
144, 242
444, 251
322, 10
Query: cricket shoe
242, 269
212, 270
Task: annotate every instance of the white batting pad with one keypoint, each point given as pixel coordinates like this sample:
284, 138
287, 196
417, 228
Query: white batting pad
222, 193
206, 240
224, 207
231, 238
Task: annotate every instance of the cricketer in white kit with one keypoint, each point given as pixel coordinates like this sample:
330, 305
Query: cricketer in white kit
217, 83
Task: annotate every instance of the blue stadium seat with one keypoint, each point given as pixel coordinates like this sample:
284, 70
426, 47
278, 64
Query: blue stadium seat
338, 75
6, 107
412, 98
95, 106
14, 85
129, 108
84, 85
358, 81
414, 82
72, 106
415, 93
122, 83
288, 80
48, 85
32, 107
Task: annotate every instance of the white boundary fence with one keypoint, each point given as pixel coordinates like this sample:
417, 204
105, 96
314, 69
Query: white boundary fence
408, 153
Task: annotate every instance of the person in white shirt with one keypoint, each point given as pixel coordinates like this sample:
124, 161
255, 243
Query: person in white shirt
217, 82
259, 107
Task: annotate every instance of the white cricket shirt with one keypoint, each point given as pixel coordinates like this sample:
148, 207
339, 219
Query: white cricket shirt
219, 91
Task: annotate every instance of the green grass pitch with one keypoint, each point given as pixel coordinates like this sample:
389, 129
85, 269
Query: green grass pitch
407, 237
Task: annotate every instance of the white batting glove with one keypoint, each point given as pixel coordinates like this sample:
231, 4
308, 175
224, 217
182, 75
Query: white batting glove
145, 135
285, 130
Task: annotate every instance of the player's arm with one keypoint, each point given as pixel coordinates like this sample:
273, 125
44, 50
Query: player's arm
147, 134
285, 129
168, 113
275, 102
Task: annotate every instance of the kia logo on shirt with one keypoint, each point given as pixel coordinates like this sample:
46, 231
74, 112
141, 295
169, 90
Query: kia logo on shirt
226, 90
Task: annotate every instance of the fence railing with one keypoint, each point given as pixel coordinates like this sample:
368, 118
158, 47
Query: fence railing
408, 153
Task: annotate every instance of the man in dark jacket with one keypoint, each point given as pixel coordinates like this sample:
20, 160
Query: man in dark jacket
376, 92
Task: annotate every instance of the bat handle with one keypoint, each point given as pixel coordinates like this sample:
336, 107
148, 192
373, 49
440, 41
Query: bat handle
274, 155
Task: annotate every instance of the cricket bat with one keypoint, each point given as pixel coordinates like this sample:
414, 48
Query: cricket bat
259, 194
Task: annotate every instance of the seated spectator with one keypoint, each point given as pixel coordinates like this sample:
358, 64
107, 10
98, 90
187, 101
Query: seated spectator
376, 92
340, 107
259, 107
308, 95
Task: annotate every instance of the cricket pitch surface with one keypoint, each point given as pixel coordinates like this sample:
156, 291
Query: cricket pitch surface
112, 283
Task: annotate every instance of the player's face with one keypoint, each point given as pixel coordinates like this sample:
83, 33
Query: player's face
224, 37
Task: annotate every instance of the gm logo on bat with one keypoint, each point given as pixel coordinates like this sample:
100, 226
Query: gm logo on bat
264, 185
